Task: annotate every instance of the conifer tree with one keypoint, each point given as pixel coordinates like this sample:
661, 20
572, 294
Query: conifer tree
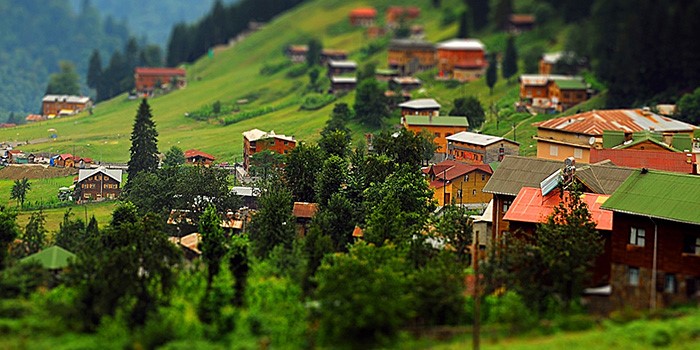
94, 74
510, 59
144, 142
463, 32
480, 13
491, 73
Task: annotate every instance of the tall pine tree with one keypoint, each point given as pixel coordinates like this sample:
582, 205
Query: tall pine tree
510, 59
94, 74
463, 32
144, 142
480, 13
491, 73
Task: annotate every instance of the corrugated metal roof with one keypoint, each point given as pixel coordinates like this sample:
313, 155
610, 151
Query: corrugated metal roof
477, 139
661, 195
629, 120
346, 80
406, 44
194, 152
603, 179
531, 206
116, 174
160, 71
659, 160
66, 98
516, 172
342, 64
436, 121
257, 134
462, 44
304, 210
420, 103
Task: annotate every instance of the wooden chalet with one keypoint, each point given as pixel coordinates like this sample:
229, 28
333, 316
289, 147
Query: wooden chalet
255, 141
655, 258
396, 14
333, 55
147, 79
304, 212
476, 148
461, 59
99, 184
460, 184
423, 106
297, 53
336, 68
520, 22
63, 105
409, 56
342, 84
440, 127
363, 16
547, 93
197, 157
405, 84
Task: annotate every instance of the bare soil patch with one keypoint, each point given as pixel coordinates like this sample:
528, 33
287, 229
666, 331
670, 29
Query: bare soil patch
34, 171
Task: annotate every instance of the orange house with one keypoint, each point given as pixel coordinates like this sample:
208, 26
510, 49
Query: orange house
395, 13
409, 56
566, 93
440, 127
552, 92
461, 59
53, 105
148, 78
363, 16
197, 157
255, 141
476, 148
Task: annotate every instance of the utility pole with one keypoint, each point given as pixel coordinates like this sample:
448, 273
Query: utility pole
515, 138
476, 331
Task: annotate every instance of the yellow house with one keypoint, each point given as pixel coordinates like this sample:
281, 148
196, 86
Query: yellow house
458, 183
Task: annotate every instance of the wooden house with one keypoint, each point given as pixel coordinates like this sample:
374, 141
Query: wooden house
297, 53
516, 172
655, 259
423, 106
520, 22
363, 16
476, 148
33, 118
333, 55
55, 105
99, 184
255, 141
460, 184
64, 160
405, 84
147, 79
440, 127
573, 136
461, 59
336, 68
304, 212
197, 157
342, 84
566, 93
547, 93
385, 74
396, 14
409, 56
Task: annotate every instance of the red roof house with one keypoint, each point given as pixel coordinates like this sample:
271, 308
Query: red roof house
197, 157
363, 16
149, 78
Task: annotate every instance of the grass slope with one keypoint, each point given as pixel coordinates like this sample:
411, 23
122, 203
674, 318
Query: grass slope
234, 73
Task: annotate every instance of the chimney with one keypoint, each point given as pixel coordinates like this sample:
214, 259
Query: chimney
646, 111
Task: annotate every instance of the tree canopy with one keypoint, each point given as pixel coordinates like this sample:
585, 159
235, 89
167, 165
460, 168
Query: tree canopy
144, 142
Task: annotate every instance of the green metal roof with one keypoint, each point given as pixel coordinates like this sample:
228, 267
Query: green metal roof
571, 84
436, 121
661, 195
51, 258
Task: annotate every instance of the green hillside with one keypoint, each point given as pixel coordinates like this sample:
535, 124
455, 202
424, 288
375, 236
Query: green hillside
234, 73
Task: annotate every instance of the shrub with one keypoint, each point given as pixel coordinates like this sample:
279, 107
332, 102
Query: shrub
510, 309
297, 71
271, 68
660, 338
316, 101
574, 323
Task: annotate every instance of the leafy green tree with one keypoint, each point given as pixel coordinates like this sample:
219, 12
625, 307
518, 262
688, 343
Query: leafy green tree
329, 181
273, 224
368, 71
397, 208
531, 58
71, 234
92, 229
471, 108
463, 31
19, 190
480, 11
335, 143
404, 147
65, 82
427, 146
455, 226
131, 268
370, 107
239, 264
8, 232
341, 112
213, 245
174, 157
491, 73
335, 220
569, 244
124, 213
438, 289
689, 107
313, 54
144, 142
316, 245
510, 59
301, 171
365, 295
34, 237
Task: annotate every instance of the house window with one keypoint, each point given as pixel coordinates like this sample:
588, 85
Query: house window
437, 134
473, 192
483, 177
691, 287
691, 245
633, 276
459, 193
466, 177
506, 205
578, 153
670, 283
553, 150
637, 236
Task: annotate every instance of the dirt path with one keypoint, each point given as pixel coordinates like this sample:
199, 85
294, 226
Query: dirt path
34, 171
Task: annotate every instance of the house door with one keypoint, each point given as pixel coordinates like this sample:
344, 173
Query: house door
446, 199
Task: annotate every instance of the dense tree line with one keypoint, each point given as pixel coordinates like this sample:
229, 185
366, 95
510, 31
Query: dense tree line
190, 41
31, 47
